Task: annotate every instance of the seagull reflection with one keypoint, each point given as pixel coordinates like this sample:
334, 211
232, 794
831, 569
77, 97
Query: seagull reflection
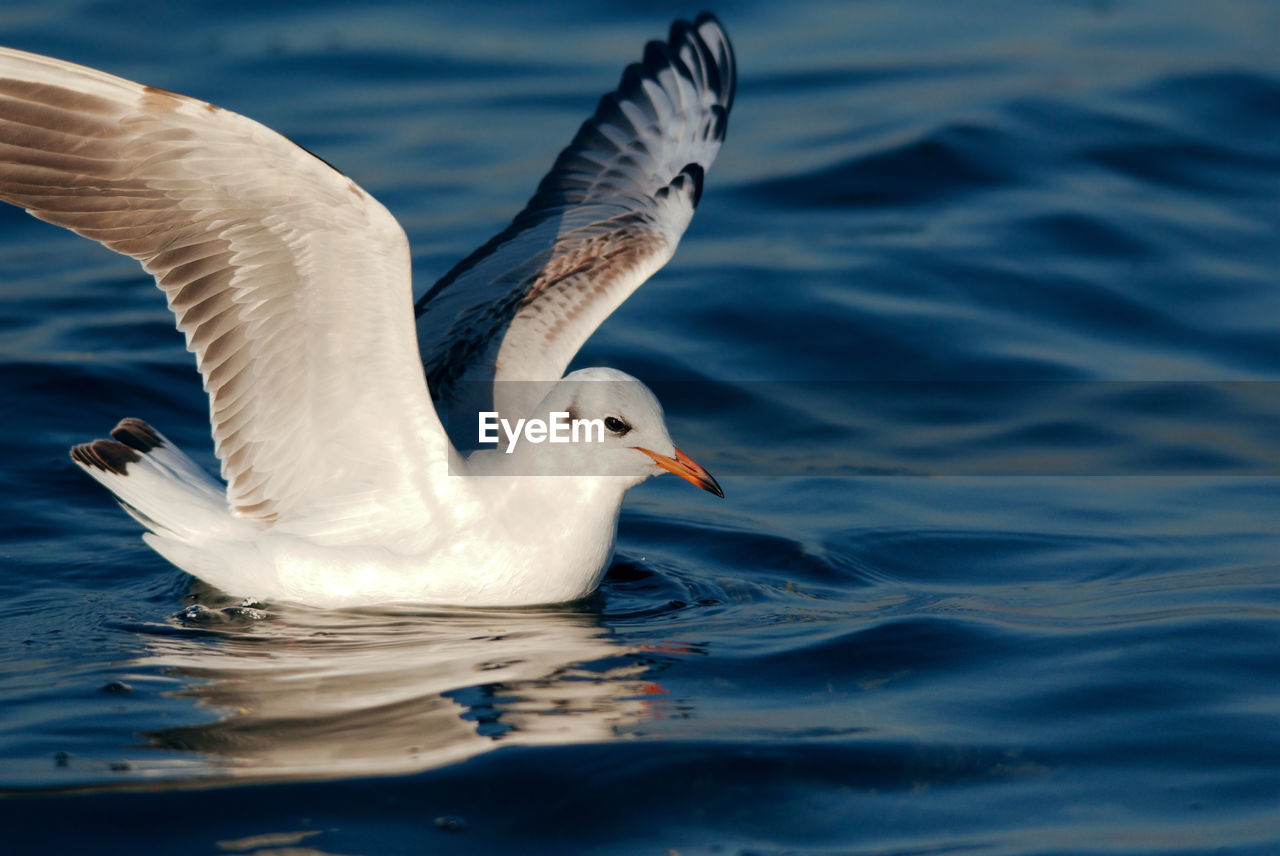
306, 693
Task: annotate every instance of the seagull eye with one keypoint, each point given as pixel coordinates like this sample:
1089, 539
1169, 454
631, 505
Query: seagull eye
616, 425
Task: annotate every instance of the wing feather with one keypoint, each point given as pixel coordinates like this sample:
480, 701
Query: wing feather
605, 218
290, 283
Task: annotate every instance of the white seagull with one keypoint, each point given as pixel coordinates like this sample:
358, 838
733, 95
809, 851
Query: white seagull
293, 288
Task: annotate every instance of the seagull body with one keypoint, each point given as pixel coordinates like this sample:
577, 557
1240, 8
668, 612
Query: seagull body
292, 286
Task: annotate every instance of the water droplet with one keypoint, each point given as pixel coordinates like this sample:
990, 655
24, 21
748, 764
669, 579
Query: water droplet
198, 612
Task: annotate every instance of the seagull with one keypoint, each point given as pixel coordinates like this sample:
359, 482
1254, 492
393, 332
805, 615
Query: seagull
293, 288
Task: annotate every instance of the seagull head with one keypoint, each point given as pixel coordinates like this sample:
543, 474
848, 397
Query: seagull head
616, 428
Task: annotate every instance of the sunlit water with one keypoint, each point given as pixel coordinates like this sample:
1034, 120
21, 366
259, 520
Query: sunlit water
977, 326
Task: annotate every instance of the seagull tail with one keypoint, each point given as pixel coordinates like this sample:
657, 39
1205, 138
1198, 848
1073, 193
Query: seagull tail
156, 482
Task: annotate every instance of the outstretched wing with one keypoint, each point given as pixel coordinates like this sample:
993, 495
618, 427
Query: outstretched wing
291, 284
604, 219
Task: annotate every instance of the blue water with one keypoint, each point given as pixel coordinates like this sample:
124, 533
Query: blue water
977, 326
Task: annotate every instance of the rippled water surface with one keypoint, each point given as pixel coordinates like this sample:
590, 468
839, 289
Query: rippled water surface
976, 324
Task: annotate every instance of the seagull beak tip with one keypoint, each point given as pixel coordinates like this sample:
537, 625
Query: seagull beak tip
688, 469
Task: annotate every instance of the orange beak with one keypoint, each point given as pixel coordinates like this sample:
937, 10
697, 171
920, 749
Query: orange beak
687, 468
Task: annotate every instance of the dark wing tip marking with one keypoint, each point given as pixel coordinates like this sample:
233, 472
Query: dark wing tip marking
722, 122
693, 173
708, 33
696, 172
137, 435
595, 168
110, 456
657, 56
629, 84
705, 41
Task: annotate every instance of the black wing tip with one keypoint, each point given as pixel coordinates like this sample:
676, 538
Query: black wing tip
724, 68
110, 456
692, 173
137, 435
721, 117
680, 28
721, 79
632, 78
698, 174
659, 55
